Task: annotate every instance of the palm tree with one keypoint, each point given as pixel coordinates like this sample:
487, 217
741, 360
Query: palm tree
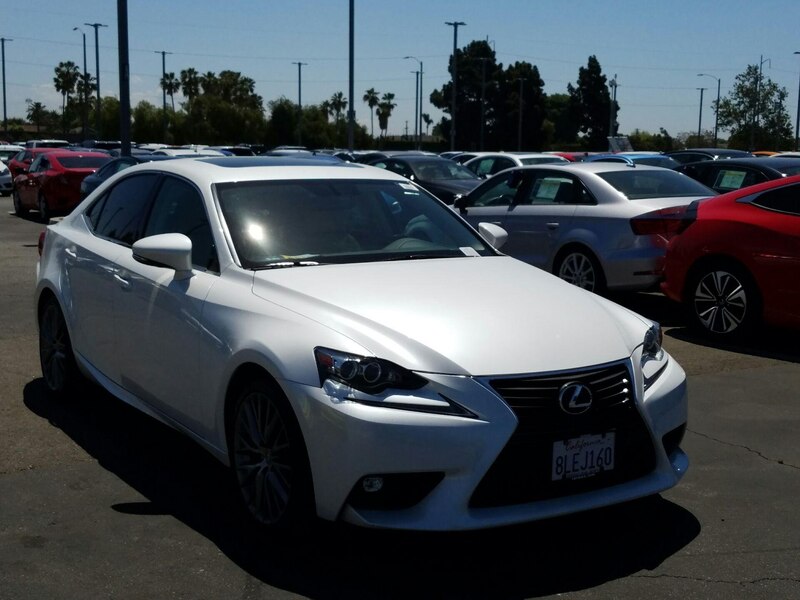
385, 108
209, 83
338, 104
372, 100
190, 83
67, 75
428, 121
171, 85
326, 108
36, 113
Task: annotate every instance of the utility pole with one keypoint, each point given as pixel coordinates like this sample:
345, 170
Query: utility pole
519, 124
416, 105
716, 112
163, 54
3, 51
483, 98
419, 108
700, 118
351, 113
612, 110
124, 78
454, 25
757, 115
299, 101
85, 90
97, 70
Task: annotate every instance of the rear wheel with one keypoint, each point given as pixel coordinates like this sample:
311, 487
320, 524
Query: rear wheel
723, 301
59, 369
44, 210
580, 268
269, 458
18, 208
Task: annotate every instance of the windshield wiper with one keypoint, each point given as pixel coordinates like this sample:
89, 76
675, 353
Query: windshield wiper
285, 264
422, 256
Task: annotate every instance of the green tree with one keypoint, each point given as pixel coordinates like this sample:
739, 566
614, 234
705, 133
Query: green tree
564, 127
190, 84
147, 124
171, 85
426, 118
372, 100
519, 78
65, 80
337, 104
385, 108
37, 114
591, 105
755, 112
659, 142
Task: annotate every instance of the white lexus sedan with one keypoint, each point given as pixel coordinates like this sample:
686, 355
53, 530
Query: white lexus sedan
353, 349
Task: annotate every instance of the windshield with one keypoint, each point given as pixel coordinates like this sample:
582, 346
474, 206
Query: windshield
436, 170
638, 184
83, 162
304, 222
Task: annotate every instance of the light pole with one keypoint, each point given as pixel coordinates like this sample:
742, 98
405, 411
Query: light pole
612, 109
519, 123
419, 109
483, 97
85, 90
796, 121
757, 116
454, 25
163, 54
3, 52
299, 101
351, 113
716, 112
97, 77
416, 105
700, 118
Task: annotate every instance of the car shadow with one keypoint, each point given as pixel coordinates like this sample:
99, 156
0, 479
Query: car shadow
180, 479
766, 342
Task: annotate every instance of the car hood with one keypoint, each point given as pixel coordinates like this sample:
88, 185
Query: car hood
471, 316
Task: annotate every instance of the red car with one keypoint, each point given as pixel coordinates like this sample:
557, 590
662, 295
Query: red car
21, 161
737, 262
52, 184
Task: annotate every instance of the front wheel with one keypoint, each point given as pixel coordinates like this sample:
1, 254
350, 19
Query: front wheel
269, 458
723, 301
579, 268
59, 369
44, 210
19, 210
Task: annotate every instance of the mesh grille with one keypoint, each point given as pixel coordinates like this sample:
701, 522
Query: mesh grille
522, 472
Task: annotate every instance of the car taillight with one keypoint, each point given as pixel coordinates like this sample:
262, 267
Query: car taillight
666, 221
40, 245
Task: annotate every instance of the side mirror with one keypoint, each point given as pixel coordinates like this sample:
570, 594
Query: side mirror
167, 250
494, 234
460, 202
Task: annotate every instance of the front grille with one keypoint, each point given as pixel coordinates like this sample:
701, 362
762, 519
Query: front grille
522, 471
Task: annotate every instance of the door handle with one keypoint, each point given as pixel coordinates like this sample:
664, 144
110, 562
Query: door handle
70, 252
123, 283
552, 225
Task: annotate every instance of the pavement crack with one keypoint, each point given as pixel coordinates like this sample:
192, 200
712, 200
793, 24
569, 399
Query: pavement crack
742, 446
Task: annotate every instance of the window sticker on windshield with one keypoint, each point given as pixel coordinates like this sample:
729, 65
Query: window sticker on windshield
409, 188
730, 180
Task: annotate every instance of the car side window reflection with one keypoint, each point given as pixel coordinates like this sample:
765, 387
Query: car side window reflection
783, 199
499, 191
178, 208
123, 209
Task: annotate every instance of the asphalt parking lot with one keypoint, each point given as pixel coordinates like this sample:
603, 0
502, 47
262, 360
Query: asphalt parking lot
97, 500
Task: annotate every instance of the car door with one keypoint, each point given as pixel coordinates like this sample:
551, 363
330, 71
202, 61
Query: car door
91, 271
159, 317
490, 201
28, 188
541, 216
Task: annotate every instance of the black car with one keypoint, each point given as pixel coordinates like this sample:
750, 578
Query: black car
698, 154
735, 173
442, 177
115, 165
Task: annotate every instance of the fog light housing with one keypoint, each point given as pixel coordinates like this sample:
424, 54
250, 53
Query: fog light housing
392, 491
372, 484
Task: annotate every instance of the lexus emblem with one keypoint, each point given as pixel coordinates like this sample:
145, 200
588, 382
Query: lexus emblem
574, 398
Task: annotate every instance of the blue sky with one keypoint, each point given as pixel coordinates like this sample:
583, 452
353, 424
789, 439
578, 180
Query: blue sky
655, 48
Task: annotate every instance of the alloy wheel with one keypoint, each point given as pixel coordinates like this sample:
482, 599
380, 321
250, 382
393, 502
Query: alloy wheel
44, 212
54, 348
578, 269
263, 457
720, 302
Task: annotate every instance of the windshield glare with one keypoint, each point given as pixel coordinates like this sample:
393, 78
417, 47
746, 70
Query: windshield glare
656, 183
340, 221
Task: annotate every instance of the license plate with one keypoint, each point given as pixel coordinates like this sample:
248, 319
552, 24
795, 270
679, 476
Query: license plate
583, 456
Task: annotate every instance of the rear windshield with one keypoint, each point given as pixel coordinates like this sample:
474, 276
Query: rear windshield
83, 162
638, 184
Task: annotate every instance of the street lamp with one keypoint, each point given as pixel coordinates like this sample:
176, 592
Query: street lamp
419, 108
454, 25
483, 97
97, 70
85, 90
3, 46
700, 118
299, 101
163, 54
416, 105
613, 107
796, 121
716, 112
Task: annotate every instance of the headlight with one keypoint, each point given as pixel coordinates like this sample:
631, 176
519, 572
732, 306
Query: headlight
364, 373
654, 359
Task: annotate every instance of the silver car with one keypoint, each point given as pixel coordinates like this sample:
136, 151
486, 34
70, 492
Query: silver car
601, 226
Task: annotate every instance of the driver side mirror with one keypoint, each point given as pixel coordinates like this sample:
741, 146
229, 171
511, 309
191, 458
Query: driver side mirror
460, 202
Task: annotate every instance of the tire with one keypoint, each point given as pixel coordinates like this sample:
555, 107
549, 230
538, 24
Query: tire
59, 369
44, 211
269, 459
19, 210
580, 268
723, 301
